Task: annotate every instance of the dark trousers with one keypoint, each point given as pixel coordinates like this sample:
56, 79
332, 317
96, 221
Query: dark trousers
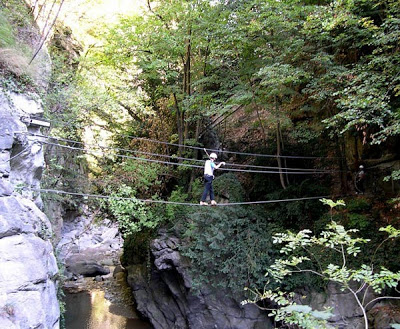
208, 188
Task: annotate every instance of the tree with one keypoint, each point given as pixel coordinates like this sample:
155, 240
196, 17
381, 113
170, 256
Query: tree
301, 257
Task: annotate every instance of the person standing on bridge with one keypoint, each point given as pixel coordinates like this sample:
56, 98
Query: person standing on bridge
209, 168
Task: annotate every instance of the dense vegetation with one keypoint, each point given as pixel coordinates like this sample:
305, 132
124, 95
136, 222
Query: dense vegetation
306, 78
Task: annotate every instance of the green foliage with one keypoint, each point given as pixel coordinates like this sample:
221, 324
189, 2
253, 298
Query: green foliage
358, 205
17, 11
366, 98
7, 38
228, 248
60, 292
132, 215
298, 258
291, 313
143, 176
136, 248
228, 186
297, 214
16, 34
304, 135
359, 221
395, 175
332, 203
177, 212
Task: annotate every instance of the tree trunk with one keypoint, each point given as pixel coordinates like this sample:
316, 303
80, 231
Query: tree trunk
33, 8
47, 19
179, 125
342, 165
41, 8
187, 76
284, 159
278, 154
195, 155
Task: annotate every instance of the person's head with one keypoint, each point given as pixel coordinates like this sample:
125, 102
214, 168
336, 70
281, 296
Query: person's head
361, 167
213, 156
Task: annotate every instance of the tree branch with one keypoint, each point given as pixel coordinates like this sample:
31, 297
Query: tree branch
158, 15
379, 298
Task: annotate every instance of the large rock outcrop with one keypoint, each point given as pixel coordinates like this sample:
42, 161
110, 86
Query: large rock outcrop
167, 299
87, 246
28, 267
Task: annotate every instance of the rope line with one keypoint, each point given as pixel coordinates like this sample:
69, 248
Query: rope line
211, 150
182, 164
175, 157
101, 196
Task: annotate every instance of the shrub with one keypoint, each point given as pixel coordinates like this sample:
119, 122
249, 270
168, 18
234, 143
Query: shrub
228, 248
131, 214
136, 248
358, 205
296, 214
229, 187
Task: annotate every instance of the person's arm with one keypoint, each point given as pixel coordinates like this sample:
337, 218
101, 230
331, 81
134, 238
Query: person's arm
219, 165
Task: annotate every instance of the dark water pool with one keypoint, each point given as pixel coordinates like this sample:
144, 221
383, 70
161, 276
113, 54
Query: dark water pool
90, 310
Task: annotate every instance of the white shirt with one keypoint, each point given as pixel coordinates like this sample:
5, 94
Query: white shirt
209, 168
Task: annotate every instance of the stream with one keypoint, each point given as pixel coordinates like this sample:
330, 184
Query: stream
106, 304
91, 310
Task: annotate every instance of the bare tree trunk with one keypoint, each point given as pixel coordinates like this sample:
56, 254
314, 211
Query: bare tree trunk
47, 19
33, 8
41, 8
195, 155
47, 34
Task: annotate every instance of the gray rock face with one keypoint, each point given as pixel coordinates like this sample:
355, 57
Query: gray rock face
168, 300
28, 268
21, 155
347, 313
383, 315
87, 248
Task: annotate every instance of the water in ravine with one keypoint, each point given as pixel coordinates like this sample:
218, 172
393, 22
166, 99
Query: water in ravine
91, 310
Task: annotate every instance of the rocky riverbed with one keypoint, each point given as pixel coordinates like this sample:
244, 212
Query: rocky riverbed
88, 246
97, 294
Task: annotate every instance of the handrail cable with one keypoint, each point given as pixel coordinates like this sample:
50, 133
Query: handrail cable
176, 157
101, 196
215, 150
180, 163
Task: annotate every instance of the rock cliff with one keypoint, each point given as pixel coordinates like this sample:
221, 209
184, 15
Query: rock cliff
167, 299
28, 267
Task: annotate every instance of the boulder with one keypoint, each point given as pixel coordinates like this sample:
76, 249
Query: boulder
87, 268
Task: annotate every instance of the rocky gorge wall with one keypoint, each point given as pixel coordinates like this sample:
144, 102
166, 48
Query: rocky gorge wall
28, 267
165, 295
